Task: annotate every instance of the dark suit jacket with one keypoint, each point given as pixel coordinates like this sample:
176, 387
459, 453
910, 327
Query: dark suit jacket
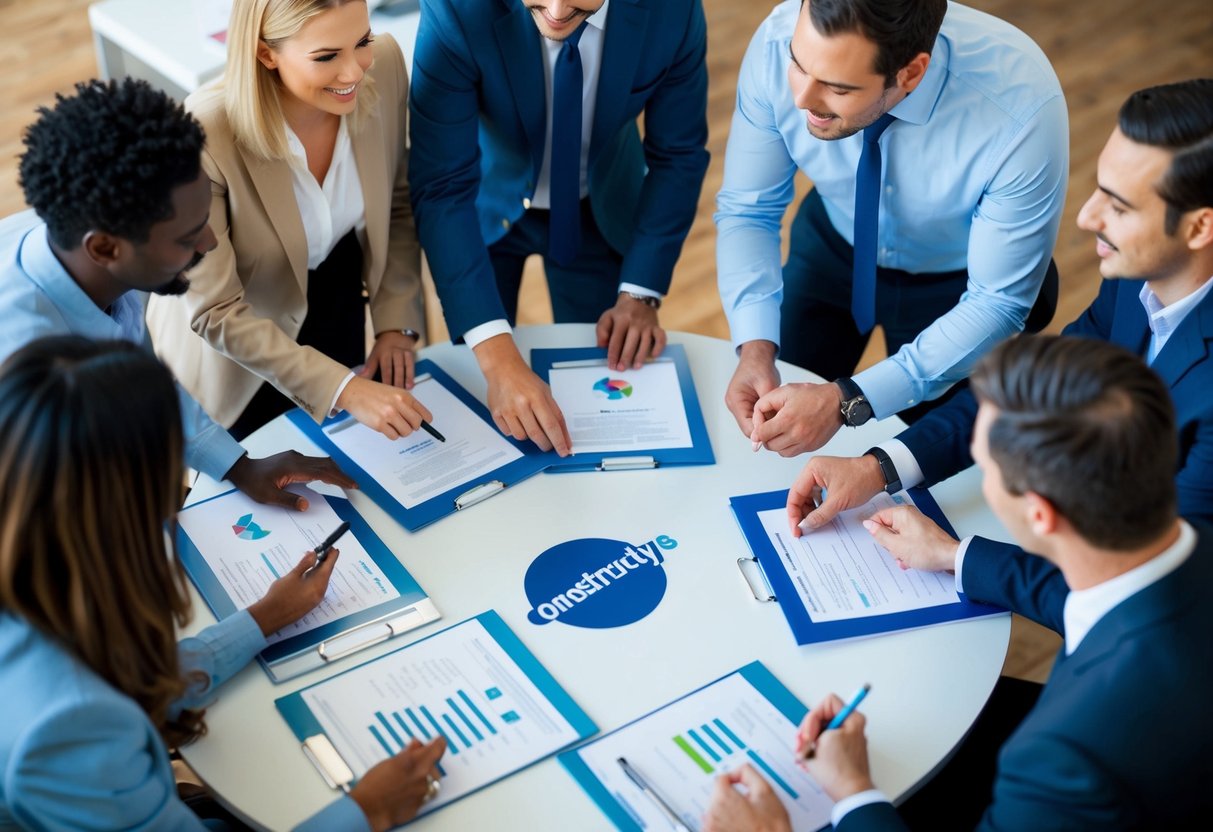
940, 441
478, 122
1121, 735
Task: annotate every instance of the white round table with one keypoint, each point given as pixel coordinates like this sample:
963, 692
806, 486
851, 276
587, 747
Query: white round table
928, 685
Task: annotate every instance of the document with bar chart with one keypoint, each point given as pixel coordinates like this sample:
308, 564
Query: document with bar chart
474, 683
745, 717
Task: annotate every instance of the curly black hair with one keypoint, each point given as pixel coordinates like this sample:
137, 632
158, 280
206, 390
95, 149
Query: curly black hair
108, 159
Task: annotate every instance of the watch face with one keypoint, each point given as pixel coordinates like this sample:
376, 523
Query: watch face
857, 411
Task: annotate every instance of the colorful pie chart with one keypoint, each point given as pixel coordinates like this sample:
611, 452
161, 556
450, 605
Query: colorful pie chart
246, 529
613, 388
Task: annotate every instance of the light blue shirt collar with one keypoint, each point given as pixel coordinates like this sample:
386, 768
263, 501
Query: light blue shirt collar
916, 108
1164, 320
124, 320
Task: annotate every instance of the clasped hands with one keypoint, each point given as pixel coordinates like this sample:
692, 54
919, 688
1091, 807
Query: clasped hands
790, 419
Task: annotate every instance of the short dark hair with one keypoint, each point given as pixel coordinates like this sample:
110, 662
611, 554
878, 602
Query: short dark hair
1088, 426
107, 159
1179, 118
900, 29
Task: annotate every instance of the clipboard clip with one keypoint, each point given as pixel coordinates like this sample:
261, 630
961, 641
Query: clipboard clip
745, 567
340, 646
478, 494
335, 771
626, 463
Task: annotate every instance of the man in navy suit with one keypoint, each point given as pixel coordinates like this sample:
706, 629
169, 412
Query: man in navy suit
524, 141
1152, 217
1076, 441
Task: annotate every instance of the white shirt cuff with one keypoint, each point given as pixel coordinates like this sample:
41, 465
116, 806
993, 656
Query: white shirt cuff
907, 466
849, 804
341, 389
637, 289
960, 560
477, 335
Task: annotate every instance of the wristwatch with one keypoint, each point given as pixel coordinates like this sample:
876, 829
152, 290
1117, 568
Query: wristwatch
411, 333
647, 300
856, 409
892, 482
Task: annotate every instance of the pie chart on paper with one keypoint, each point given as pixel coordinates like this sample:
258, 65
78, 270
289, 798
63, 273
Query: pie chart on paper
613, 388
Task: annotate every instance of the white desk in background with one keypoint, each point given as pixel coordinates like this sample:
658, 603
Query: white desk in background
162, 41
927, 685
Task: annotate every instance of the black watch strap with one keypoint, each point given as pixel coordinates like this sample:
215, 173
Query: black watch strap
892, 481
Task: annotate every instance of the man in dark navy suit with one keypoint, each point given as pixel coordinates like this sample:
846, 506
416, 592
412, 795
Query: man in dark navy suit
523, 122
1076, 441
1152, 217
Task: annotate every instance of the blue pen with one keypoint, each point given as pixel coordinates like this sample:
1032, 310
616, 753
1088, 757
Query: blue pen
837, 721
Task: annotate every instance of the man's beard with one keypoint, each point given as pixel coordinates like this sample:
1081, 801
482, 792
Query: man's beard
180, 283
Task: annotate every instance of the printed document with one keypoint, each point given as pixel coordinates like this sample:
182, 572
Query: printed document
460, 683
841, 572
248, 546
418, 467
630, 410
681, 749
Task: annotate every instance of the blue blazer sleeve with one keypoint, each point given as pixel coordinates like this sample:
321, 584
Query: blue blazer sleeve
444, 170
1002, 574
675, 154
940, 440
873, 816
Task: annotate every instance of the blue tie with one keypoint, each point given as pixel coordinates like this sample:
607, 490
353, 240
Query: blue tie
867, 209
564, 222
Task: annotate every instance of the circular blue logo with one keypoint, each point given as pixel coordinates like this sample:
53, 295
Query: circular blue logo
597, 583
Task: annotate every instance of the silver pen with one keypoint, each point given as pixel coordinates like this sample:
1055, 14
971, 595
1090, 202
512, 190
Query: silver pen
657, 799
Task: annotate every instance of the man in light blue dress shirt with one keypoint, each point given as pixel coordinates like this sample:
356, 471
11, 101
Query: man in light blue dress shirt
975, 162
120, 209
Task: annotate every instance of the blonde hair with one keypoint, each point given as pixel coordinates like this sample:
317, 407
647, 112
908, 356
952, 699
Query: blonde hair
90, 473
251, 93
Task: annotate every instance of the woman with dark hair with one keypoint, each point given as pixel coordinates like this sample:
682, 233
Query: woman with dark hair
95, 685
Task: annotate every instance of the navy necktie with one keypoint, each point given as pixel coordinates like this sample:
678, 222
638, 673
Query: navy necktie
867, 209
564, 221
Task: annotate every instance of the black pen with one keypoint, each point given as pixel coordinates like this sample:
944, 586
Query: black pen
428, 428
323, 549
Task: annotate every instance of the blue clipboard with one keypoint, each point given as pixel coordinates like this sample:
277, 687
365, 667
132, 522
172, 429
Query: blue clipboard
806, 631
323, 645
700, 452
756, 673
462, 496
336, 772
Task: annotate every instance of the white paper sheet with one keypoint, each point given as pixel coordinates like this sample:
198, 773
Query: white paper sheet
249, 545
840, 572
461, 680
680, 750
418, 467
629, 410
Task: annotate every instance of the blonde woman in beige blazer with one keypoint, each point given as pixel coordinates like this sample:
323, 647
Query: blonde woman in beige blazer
308, 119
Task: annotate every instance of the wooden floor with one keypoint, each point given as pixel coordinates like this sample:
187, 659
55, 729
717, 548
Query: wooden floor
1102, 51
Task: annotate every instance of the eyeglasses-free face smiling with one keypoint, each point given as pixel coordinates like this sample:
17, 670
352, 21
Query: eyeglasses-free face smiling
323, 65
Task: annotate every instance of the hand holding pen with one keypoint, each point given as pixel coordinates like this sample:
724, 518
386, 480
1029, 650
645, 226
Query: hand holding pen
832, 747
828, 716
298, 591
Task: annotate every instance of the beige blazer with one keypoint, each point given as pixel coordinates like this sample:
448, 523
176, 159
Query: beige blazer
238, 322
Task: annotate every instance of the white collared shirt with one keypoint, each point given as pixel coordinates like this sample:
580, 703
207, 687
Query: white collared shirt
1164, 320
330, 210
1085, 607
